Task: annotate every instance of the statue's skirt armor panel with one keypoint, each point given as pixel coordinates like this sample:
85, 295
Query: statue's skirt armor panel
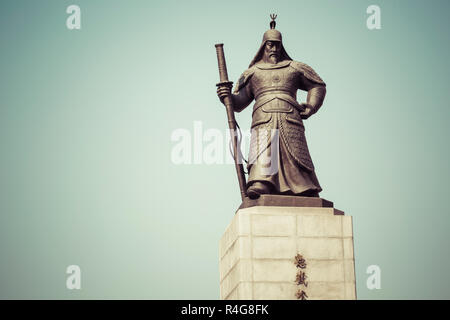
278, 138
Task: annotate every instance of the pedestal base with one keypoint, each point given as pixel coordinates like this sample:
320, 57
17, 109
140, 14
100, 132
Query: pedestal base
258, 250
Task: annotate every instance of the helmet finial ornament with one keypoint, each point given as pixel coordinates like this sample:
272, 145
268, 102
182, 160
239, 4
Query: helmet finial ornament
273, 16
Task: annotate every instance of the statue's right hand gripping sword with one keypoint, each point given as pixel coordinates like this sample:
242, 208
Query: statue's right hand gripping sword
228, 101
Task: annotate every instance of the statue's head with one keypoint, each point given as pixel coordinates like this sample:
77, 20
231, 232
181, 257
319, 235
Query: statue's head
271, 49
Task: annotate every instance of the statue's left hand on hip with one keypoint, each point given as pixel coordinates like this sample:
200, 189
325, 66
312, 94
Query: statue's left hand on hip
308, 111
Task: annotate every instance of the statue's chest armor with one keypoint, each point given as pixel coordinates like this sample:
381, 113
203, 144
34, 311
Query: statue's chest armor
285, 79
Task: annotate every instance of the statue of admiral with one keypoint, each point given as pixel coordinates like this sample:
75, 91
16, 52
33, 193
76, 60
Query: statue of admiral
272, 80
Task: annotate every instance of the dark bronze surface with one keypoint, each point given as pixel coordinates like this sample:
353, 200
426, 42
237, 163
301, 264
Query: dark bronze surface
276, 200
272, 81
286, 201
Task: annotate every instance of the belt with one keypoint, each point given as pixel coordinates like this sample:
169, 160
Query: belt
267, 96
264, 91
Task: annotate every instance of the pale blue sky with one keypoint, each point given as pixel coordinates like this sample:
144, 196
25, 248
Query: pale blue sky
86, 118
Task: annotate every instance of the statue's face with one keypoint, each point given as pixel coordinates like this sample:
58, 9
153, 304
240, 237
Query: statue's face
272, 51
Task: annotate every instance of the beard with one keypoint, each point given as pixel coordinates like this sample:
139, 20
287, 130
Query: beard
273, 58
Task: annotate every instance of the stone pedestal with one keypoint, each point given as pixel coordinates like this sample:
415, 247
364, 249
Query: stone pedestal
258, 250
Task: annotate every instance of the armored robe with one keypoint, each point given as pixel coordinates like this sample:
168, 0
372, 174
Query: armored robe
279, 152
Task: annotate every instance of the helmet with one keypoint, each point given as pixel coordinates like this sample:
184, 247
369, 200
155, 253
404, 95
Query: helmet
270, 35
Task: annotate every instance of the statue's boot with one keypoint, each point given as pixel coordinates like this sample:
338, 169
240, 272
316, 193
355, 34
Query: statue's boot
257, 189
310, 193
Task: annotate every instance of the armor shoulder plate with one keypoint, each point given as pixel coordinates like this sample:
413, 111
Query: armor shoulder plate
243, 79
307, 72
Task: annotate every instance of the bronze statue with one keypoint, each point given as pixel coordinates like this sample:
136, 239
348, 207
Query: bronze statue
272, 80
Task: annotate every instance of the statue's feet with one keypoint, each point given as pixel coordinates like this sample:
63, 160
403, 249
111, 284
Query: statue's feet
310, 193
257, 189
